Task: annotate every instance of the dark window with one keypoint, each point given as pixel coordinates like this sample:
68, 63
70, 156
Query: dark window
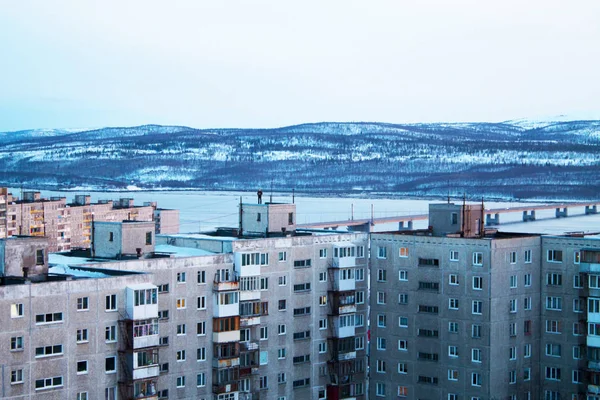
454, 218
148, 238
291, 218
110, 236
39, 257
258, 217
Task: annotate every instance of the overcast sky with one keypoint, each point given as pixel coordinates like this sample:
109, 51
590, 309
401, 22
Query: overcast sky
69, 64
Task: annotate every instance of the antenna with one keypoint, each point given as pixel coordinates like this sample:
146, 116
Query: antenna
293, 195
241, 230
448, 183
271, 197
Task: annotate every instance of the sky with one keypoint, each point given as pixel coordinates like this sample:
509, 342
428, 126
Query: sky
262, 64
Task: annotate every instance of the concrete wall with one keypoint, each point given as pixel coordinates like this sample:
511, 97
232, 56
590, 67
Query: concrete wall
20, 252
167, 221
127, 238
251, 222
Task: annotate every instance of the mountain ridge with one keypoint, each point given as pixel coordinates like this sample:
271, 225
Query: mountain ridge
504, 159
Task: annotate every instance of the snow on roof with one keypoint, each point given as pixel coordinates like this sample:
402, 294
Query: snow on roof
139, 286
77, 272
60, 259
202, 236
181, 251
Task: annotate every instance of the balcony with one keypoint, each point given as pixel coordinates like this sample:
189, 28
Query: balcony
593, 341
142, 301
226, 310
593, 317
342, 285
246, 321
226, 362
146, 372
248, 346
344, 262
593, 389
593, 366
220, 285
227, 387
247, 370
226, 337
248, 295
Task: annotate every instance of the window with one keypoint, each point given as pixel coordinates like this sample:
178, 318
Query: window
281, 377
181, 277
82, 335
554, 279
513, 281
360, 297
454, 218
453, 279
527, 257
452, 374
554, 303
403, 252
576, 257
110, 365
553, 350
323, 300
200, 380
201, 278
381, 252
180, 381
322, 253
322, 276
282, 256
111, 302
16, 376
403, 322
577, 281
359, 343
476, 355
452, 351
16, 343
381, 298
381, 343
402, 275
478, 258
180, 355
264, 332
82, 367
359, 274
264, 283
527, 351
360, 251
180, 329
281, 329
402, 345
49, 383
453, 255
513, 305
301, 383
290, 218
552, 326
512, 329
39, 257
578, 329
555, 256
453, 304
512, 257
477, 307
110, 334
281, 305
201, 354
381, 366
477, 283
553, 373
527, 280
403, 298
381, 275
50, 318
577, 354
527, 327
475, 379
323, 347
527, 303
512, 377
380, 389
302, 263
263, 382
298, 312
110, 393
281, 353
527, 374
323, 323
16, 310
201, 302
180, 303
148, 238
381, 320
164, 288
512, 353
359, 320
577, 376
578, 305
201, 328
475, 331
301, 359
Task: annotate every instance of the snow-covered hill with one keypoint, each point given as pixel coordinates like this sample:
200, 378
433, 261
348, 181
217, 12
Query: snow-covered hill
509, 159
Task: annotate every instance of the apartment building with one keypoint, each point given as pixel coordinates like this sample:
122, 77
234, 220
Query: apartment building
278, 314
69, 225
455, 311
